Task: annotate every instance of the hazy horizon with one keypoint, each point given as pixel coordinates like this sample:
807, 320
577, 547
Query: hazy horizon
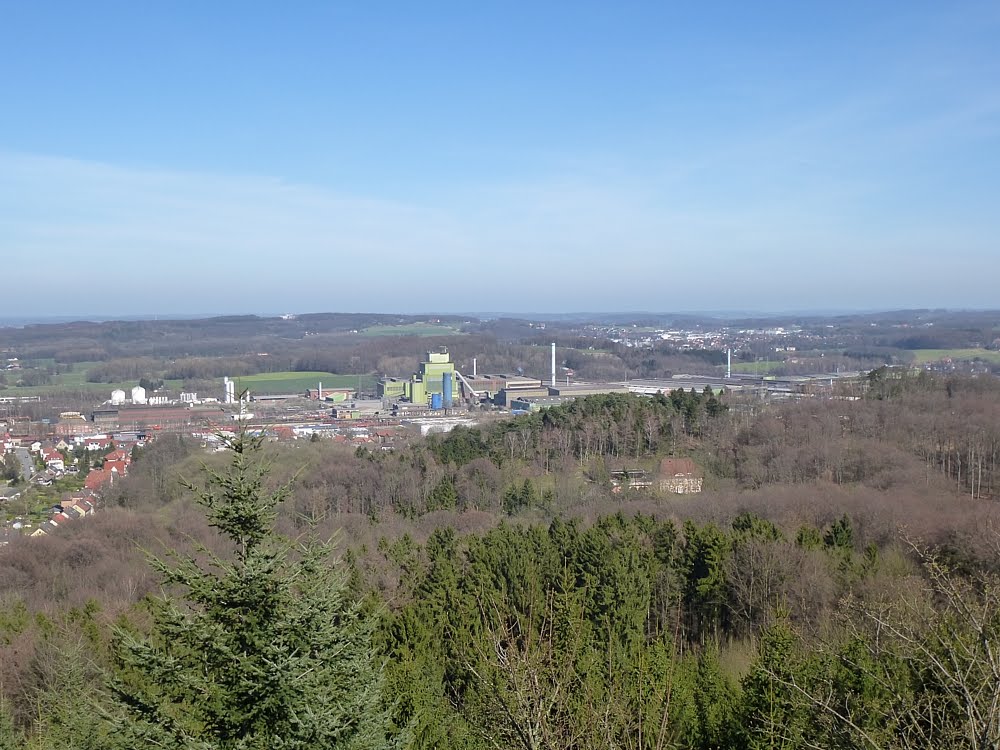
22, 320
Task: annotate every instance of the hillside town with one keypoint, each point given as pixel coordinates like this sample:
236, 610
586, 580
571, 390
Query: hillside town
79, 470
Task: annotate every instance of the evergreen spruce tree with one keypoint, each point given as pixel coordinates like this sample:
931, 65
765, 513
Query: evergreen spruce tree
262, 649
775, 715
68, 700
9, 739
444, 496
715, 702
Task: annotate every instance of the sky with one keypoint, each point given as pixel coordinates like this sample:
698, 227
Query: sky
223, 157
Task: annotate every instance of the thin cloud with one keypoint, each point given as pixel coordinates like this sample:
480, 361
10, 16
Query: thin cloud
141, 240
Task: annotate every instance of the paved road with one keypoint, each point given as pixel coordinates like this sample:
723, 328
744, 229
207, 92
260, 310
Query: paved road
27, 465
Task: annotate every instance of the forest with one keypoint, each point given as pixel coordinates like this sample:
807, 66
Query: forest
836, 584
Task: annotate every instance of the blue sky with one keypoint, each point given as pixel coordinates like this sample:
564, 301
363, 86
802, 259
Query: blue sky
252, 156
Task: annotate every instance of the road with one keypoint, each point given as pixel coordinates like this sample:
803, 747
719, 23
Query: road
27, 465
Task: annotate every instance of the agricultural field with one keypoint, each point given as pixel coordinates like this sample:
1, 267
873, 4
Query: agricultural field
926, 356
67, 378
269, 382
298, 382
412, 329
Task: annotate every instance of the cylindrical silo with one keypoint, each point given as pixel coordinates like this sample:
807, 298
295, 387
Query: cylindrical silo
446, 386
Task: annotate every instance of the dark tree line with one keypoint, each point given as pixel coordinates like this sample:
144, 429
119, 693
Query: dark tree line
616, 425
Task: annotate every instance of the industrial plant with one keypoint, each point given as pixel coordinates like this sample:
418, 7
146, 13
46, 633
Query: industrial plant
438, 385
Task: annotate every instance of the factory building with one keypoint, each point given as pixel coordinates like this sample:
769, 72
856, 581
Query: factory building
509, 394
536, 403
164, 417
438, 383
586, 389
434, 383
488, 387
358, 409
391, 388
516, 390
535, 399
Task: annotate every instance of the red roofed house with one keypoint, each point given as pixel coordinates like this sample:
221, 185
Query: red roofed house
98, 478
53, 459
385, 435
98, 444
680, 475
118, 467
119, 454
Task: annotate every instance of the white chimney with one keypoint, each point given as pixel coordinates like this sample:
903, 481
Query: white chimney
553, 364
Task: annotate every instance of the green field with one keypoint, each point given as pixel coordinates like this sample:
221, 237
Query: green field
412, 329
78, 376
76, 380
924, 356
298, 382
267, 382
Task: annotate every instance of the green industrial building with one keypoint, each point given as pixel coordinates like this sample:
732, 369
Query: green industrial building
422, 385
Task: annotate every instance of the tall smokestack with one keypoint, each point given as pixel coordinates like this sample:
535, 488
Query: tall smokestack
473, 367
729, 363
553, 364
319, 391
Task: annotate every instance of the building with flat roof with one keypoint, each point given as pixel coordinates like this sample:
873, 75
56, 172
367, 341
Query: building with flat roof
358, 409
537, 403
587, 389
164, 417
507, 396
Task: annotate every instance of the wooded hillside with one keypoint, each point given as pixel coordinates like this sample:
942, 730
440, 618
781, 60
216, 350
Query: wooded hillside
834, 585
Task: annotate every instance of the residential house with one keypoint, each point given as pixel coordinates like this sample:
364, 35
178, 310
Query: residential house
75, 504
119, 454
680, 476
98, 479
99, 443
118, 467
633, 479
53, 459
